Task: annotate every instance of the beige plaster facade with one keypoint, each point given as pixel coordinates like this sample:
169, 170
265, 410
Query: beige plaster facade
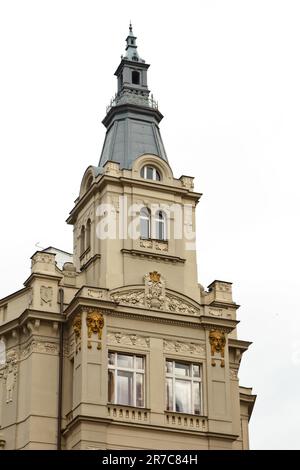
125, 298
118, 281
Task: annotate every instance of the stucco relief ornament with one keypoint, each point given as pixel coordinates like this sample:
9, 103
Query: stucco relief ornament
9, 373
154, 290
77, 331
217, 341
95, 324
46, 294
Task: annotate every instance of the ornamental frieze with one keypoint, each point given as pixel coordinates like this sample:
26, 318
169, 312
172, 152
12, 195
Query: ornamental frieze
195, 349
133, 340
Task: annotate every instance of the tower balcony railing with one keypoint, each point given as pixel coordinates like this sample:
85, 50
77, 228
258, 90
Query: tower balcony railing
131, 97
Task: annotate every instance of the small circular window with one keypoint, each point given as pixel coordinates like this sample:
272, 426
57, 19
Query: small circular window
150, 173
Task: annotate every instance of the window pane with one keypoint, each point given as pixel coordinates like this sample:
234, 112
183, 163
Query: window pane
149, 172
183, 396
125, 388
144, 227
111, 386
160, 230
139, 390
169, 395
111, 358
182, 369
139, 363
169, 367
197, 404
196, 371
125, 361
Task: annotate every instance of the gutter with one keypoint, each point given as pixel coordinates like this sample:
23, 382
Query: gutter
60, 368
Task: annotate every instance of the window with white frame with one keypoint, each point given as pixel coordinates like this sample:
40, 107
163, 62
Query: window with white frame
160, 226
126, 379
183, 387
145, 219
150, 173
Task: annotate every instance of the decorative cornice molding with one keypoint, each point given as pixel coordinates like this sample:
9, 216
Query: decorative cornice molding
153, 255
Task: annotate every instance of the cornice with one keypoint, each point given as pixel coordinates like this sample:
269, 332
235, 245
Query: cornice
55, 277
27, 315
240, 344
149, 254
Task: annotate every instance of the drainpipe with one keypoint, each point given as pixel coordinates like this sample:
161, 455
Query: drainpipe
60, 368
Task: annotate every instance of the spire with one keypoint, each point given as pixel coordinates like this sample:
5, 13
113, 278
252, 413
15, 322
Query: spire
132, 118
131, 47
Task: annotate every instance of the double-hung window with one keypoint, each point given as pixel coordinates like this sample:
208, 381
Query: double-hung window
126, 379
183, 387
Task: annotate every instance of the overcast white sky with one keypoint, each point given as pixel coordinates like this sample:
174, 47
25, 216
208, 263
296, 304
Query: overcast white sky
227, 77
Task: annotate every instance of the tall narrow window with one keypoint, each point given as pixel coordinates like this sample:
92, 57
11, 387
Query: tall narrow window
82, 240
145, 223
88, 234
135, 77
160, 225
183, 387
126, 379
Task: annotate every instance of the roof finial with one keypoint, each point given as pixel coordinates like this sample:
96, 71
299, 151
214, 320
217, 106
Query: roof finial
130, 27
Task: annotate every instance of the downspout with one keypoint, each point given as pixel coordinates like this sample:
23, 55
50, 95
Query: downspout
60, 368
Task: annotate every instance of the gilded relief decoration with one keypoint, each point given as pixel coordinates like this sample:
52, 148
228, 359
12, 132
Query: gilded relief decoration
9, 373
154, 290
95, 324
77, 332
217, 341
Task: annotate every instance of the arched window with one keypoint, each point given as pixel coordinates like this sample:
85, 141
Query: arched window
135, 77
160, 225
88, 234
82, 240
150, 173
145, 223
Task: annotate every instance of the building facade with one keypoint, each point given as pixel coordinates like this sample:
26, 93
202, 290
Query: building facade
117, 346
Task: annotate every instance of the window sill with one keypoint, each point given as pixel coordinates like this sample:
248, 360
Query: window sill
81, 257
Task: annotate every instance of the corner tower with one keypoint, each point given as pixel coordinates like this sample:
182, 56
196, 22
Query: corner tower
151, 213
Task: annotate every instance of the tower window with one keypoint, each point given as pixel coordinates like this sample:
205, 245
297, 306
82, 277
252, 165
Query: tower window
135, 77
82, 240
150, 173
132, 41
160, 225
145, 223
88, 234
